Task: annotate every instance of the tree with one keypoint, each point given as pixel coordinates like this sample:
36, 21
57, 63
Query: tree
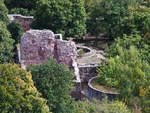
141, 43
24, 7
6, 45
54, 81
77, 26
90, 5
113, 18
130, 75
27, 4
18, 93
66, 17
3, 12
142, 19
16, 31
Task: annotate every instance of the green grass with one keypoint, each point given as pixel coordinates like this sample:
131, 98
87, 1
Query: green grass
81, 52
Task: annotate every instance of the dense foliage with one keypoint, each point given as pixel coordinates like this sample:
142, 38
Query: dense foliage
100, 107
114, 18
142, 44
129, 74
18, 93
16, 31
54, 81
6, 45
3, 13
77, 27
21, 11
66, 17
127, 67
26, 4
24, 7
89, 5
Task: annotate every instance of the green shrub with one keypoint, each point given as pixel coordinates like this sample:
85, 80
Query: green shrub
6, 45
81, 52
142, 44
18, 93
16, 31
103, 107
54, 81
129, 74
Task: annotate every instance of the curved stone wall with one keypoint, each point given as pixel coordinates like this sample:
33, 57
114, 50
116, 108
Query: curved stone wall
95, 93
88, 52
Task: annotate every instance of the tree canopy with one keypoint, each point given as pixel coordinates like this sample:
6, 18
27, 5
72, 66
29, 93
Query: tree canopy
18, 93
16, 31
54, 81
3, 12
6, 45
67, 17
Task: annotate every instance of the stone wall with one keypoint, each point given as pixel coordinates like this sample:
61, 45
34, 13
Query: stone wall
99, 94
25, 21
36, 45
87, 72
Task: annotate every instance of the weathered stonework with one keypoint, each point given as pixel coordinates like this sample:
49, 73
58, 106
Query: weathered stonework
36, 45
87, 71
99, 94
25, 21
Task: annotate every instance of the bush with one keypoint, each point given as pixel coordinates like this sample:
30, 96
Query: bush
16, 31
81, 52
54, 81
129, 74
18, 93
103, 107
6, 45
142, 44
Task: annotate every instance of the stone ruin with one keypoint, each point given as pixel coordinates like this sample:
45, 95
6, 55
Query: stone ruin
36, 45
25, 21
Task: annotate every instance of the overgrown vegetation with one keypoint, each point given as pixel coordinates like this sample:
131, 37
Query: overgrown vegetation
3, 13
6, 45
129, 74
141, 43
18, 93
127, 67
54, 81
24, 7
100, 107
16, 31
81, 52
65, 17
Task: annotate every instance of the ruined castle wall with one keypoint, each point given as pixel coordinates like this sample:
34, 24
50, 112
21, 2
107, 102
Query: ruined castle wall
66, 52
36, 45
